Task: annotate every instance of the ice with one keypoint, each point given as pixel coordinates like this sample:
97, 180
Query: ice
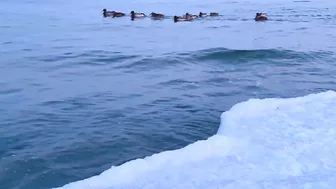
268, 143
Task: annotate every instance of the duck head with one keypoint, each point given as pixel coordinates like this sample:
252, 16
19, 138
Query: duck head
104, 12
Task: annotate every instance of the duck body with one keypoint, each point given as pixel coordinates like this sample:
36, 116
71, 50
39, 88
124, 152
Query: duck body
157, 15
261, 17
193, 16
137, 15
214, 14
182, 19
118, 14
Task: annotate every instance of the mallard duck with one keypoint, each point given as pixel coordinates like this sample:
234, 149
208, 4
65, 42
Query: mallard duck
214, 14
187, 15
108, 13
157, 15
137, 15
202, 14
112, 13
261, 17
182, 18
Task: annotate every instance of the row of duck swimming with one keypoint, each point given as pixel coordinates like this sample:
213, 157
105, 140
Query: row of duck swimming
186, 17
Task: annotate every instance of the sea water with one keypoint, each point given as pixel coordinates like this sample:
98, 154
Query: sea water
80, 93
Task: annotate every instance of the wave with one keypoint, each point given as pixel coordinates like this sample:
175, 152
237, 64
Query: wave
268, 143
228, 56
134, 63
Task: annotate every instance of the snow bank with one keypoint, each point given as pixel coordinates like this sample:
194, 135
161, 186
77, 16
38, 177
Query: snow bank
269, 143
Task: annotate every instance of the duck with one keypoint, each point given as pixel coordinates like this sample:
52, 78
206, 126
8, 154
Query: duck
108, 13
261, 17
112, 13
187, 15
214, 14
137, 15
182, 19
157, 15
202, 14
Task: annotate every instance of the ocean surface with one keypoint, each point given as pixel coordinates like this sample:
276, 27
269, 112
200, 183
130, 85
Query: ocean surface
80, 93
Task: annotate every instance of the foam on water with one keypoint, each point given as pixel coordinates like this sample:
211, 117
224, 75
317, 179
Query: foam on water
269, 143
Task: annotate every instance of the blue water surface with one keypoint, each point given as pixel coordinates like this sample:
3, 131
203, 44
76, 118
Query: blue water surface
80, 92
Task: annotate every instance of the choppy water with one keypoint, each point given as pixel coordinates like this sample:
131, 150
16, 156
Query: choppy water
80, 93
